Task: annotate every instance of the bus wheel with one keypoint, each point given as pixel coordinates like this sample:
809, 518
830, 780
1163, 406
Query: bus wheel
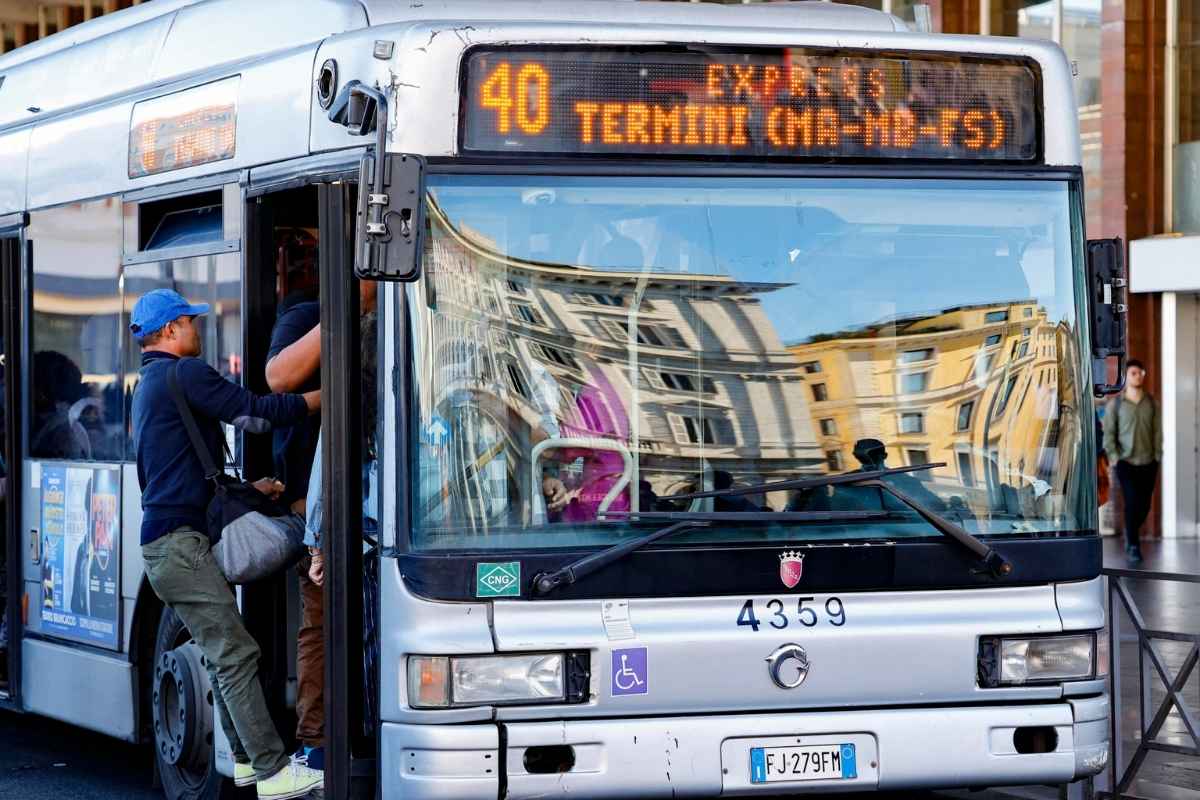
182, 709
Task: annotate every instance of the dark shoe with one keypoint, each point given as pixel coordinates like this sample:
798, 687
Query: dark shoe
314, 757
1134, 554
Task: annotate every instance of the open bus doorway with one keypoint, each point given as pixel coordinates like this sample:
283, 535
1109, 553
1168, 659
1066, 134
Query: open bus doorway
10, 549
281, 273
319, 667
298, 234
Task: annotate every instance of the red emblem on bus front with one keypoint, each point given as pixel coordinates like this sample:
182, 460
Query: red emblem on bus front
791, 567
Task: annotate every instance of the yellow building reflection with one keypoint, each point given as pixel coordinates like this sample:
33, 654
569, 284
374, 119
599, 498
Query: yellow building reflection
979, 389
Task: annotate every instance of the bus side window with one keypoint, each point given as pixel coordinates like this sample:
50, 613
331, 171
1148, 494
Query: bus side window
212, 279
74, 333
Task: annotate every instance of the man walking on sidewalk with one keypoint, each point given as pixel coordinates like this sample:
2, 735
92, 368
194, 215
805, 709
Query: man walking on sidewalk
175, 544
1133, 442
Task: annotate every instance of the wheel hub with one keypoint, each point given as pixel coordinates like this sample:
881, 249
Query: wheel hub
182, 708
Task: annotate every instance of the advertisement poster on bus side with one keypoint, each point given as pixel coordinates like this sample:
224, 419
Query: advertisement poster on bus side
80, 562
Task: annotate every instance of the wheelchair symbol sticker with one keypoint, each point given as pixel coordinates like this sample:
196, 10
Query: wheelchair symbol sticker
630, 672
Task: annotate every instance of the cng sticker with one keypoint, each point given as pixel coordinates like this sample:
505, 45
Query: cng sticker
498, 580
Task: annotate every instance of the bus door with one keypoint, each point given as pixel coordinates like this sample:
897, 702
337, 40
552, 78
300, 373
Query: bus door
281, 236
372, 230
291, 208
11, 243
351, 728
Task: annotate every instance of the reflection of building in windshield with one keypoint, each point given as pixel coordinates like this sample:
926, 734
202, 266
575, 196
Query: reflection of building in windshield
526, 354
983, 389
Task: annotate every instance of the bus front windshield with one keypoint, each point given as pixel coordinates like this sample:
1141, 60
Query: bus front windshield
585, 348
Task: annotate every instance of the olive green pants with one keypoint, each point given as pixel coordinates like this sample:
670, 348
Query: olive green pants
182, 573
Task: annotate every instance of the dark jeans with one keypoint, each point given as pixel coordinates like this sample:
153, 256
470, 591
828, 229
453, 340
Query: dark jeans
1137, 490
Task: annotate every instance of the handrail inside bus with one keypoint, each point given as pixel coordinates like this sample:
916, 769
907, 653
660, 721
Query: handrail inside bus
582, 442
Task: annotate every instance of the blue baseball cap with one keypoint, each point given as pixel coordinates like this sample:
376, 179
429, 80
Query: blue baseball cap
155, 309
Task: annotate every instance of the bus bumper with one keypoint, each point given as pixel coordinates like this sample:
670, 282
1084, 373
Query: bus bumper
708, 756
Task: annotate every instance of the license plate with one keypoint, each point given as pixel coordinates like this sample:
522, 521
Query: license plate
811, 763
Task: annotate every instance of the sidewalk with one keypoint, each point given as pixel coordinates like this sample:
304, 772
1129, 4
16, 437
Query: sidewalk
1165, 606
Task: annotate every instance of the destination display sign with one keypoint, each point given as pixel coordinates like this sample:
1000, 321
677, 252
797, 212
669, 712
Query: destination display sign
776, 103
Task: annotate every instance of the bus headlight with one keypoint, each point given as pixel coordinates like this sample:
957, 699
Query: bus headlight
1017, 661
442, 682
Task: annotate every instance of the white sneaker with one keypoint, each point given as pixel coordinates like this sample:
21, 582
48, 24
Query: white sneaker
243, 774
294, 780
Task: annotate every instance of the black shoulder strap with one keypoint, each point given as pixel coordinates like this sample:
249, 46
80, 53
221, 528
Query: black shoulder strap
189, 422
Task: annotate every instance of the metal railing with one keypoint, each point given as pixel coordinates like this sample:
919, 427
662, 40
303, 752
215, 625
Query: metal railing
1152, 667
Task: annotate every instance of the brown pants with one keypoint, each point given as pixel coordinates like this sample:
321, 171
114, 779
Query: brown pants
310, 662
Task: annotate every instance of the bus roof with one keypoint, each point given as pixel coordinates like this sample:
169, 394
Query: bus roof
202, 16
775, 13
152, 44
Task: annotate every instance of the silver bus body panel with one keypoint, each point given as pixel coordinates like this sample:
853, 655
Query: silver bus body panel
627, 13
705, 756
894, 648
81, 687
423, 627
51, 79
64, 168
440, 762
107, 27
1092, 731
131, 556
178, 43
14, 166
1081, 604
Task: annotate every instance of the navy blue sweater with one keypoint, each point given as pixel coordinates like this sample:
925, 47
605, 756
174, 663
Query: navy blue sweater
295, 447
174, 491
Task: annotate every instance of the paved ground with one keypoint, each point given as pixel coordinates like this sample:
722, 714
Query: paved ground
46, 760
1165, 606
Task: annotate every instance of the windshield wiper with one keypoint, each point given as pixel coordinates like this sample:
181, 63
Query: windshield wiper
840, 479
992, 561
546, 582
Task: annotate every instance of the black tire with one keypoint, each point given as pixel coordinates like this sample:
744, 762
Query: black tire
182, 718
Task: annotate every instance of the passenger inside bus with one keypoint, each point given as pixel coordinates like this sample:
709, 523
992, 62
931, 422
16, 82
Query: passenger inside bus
293, 364
310, 650
57, 388
872, 457
581, 473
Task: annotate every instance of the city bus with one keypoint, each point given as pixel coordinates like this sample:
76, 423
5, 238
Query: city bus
725, 425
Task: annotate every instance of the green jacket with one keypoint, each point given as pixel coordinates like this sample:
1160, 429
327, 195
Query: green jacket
1133, 431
